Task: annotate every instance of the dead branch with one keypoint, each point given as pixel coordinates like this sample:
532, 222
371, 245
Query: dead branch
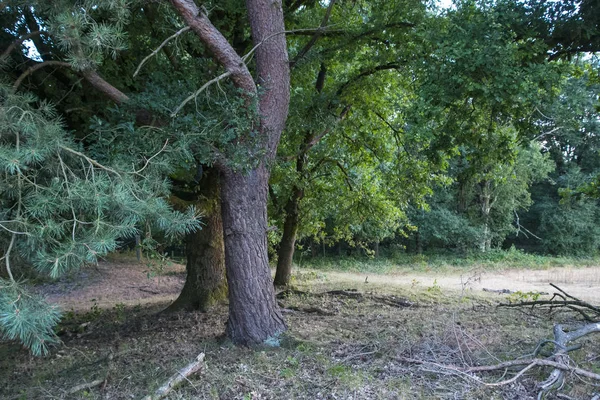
308, 310
558, 360
565, 301
528, 363
565, 293
159, 48
84, 386
177, 378
352, 293
197, 92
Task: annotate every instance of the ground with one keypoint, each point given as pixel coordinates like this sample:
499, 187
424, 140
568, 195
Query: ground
351, 344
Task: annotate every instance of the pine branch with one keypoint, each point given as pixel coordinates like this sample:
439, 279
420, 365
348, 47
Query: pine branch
91, 161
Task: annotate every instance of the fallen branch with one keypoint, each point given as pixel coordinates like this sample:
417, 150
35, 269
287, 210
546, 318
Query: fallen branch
351, 293
84, 386
177, 378
565, 301
308, 310
528, 363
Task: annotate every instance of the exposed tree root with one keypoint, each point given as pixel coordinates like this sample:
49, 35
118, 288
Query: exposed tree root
177, 378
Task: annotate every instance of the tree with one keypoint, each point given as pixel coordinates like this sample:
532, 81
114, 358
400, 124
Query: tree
253, 312
566, 208
336, 178
59, 209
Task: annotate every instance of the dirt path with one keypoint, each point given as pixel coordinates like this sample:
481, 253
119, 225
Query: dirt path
127, 282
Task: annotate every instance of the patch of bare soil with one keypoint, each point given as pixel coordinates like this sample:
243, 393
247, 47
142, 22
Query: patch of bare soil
119, 281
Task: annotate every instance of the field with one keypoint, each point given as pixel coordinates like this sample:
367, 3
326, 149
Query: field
363, 330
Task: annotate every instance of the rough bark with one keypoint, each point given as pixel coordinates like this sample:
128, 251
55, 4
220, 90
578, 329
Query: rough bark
253, 313
205, 283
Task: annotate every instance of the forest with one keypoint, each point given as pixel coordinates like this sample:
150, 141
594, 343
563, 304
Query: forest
299, 199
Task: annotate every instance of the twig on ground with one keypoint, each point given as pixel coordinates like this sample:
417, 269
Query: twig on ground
84, 386
177, 378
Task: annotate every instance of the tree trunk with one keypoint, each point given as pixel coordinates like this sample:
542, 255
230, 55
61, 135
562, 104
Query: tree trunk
418, 243
285, 254
486, 207
253, 313
314, 250
205, 283
376, 249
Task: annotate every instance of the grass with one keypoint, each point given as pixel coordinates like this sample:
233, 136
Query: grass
495, 260
352, 354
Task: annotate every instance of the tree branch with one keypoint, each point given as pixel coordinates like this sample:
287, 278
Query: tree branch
197, 92
159, 48
103, 86
367, 72
20, 41
315, 37
216, 43
34, 68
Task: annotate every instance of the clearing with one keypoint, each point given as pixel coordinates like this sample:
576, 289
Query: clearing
339, 346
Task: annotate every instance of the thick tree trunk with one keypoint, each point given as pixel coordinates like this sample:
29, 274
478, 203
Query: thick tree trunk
253, 312
285, 254
205, 283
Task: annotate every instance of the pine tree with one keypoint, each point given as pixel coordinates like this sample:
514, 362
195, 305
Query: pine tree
61, 209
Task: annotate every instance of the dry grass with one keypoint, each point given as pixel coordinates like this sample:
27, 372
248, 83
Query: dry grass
349, 355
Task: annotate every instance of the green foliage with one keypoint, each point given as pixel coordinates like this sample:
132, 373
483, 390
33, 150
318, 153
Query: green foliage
27, 317
60, 209
572, 227
442, 227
